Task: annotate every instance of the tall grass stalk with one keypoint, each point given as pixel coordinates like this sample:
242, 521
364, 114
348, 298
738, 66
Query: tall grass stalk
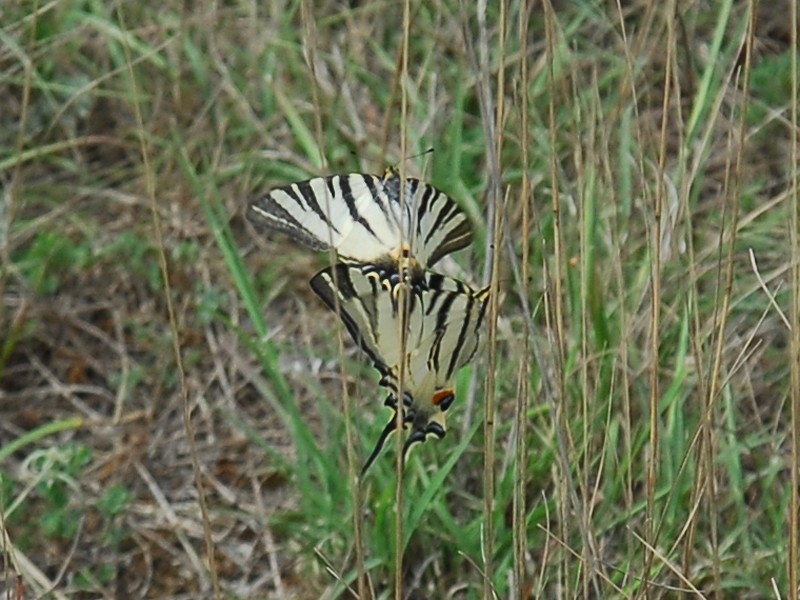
794, 236
520, 538
150, 185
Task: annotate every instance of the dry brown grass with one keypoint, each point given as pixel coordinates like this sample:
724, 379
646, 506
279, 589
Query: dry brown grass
86, 340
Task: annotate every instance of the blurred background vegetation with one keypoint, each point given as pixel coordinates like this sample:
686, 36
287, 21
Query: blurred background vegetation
643, 350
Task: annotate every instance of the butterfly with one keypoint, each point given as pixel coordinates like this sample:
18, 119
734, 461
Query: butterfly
368, 221
442, 323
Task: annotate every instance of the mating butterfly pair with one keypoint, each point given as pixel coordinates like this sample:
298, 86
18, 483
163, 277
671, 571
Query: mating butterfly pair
387, 234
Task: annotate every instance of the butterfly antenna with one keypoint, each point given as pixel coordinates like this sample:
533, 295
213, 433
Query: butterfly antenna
423, 153
417, 155
387, 431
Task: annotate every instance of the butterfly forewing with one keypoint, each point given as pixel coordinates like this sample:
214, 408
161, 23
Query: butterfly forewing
366, 219
348, 212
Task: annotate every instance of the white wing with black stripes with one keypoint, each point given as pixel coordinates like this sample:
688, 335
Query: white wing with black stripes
366, 219
444, 329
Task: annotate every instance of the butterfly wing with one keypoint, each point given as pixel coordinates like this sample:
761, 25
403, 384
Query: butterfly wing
366, 219
435, 225
370, 310
350, 213
444, 324
453, 326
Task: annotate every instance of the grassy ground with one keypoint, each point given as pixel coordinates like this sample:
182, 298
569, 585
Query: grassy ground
172, 394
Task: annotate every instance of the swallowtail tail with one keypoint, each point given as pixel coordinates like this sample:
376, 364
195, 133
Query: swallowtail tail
369, 222
444, 329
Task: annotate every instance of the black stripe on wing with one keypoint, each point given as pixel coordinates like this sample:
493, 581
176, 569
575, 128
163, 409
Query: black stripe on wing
307, 193
434, 215
442, 321
467, 328
268, 212
428, 192
456, 238
441, 226
335, 283
375, 185
346, 193
451, 304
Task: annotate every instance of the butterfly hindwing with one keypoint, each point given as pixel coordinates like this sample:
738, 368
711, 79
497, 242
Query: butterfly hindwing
370, 310
457, 313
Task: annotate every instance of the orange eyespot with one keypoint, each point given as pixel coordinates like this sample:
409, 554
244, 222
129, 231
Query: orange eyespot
442, 395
